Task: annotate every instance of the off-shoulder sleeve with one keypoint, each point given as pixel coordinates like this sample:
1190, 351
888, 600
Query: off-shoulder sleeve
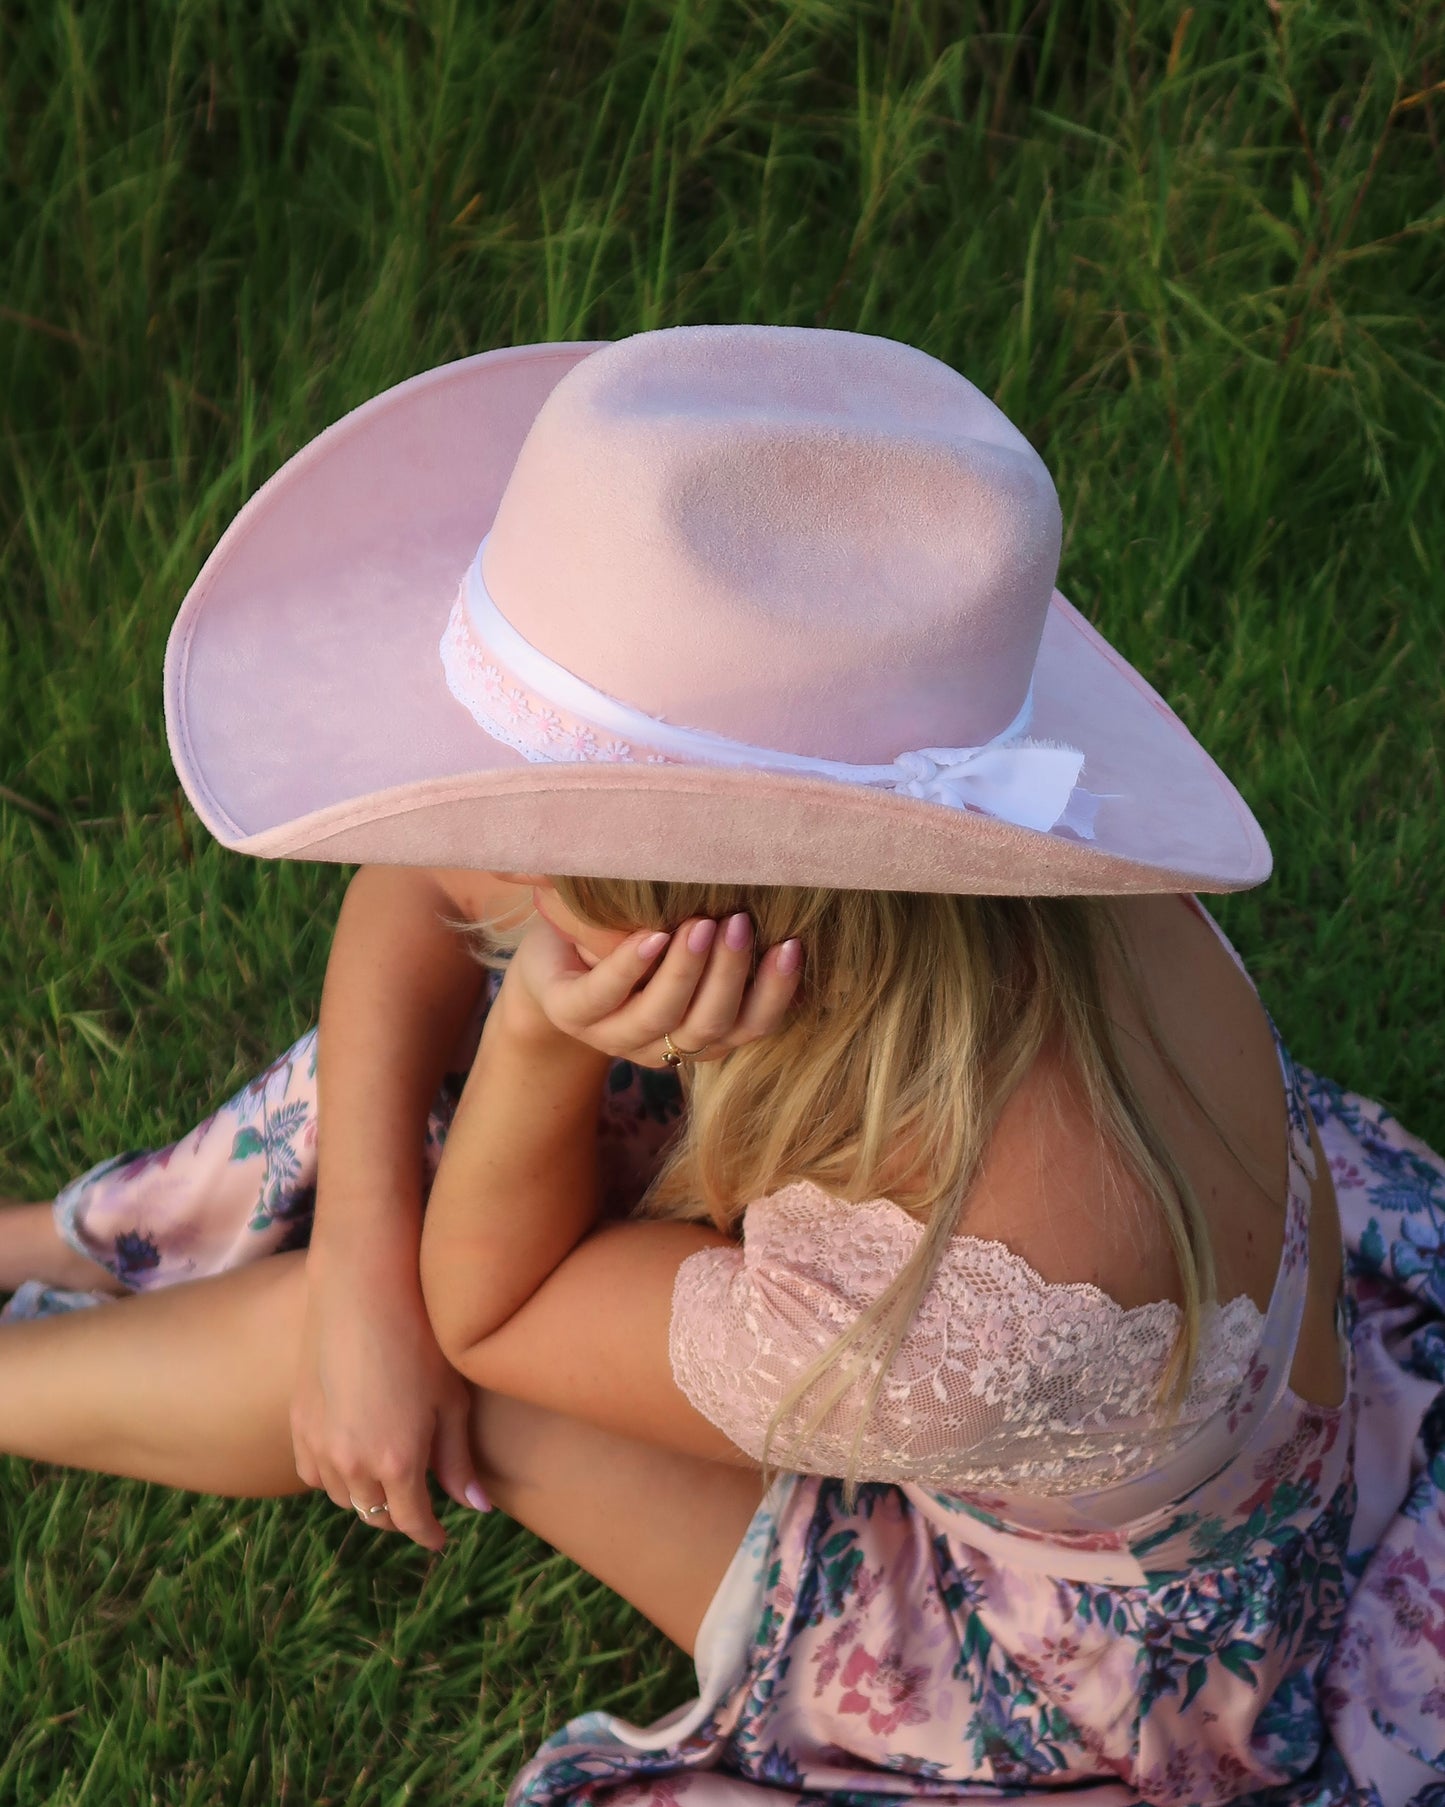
747, 1323
1002, 1379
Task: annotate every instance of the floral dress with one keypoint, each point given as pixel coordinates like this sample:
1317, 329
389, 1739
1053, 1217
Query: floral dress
1256, 1615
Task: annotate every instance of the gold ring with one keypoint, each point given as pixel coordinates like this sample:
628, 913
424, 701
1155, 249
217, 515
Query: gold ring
369, 1511
674, 1056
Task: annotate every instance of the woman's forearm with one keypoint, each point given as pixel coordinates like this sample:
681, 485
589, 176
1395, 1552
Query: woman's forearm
399, 987
518, 1184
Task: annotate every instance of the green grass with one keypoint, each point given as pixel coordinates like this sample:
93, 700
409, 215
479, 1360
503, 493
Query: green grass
1196, 254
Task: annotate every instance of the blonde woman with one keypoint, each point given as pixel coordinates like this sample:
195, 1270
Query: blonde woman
891, 1244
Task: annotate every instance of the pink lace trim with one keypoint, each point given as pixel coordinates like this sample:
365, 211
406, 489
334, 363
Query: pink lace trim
502, 704
1004, 1382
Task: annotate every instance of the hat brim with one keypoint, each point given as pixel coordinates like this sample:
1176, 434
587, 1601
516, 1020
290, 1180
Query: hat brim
308, 716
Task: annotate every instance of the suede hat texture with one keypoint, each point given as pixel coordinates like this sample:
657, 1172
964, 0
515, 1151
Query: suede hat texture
744, 604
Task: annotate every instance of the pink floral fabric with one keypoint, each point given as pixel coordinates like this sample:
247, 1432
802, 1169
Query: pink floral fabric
1276, 1634
1258, 1616
242, 1183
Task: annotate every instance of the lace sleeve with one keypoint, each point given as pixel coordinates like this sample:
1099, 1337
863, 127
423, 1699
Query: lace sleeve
1003, 1380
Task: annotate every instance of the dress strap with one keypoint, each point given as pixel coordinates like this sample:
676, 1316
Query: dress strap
1221, 1440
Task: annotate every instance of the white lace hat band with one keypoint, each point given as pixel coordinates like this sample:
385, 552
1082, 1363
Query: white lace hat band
755, 605
549, 714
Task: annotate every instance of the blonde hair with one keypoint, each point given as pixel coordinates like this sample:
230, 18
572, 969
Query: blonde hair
918, 1015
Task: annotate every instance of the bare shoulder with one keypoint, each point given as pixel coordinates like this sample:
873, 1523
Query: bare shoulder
1059, 1194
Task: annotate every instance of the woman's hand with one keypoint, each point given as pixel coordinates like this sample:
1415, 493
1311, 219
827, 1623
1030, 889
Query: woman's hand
518, 1185
697, 992
376, 1401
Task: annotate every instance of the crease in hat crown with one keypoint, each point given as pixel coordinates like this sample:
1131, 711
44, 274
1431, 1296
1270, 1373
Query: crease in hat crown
823, 542
897, 611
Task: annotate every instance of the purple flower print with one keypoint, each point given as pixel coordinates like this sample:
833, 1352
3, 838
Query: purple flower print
129, 1166
1402, 1587
885, 1689
1344, 1172
865, 1587
1245, 1396
1293, 1455
256, 1088
1243, 1648
1052, 1665
828, 1654
1177, 1781
135, 1253
1190, 1776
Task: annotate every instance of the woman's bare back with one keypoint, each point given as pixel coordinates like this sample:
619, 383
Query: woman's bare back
1067, 1206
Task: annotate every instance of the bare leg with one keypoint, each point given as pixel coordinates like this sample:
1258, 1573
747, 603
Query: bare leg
32, 1249
190, 1386
657, 1527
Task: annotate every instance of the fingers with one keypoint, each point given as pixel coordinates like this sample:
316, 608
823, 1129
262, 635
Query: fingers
410, 1508
452, 1460
700, 994
724, 1010
780, 972
351, 1484
697, 991
640, 1018
306, 1467
645, 1016
607, 987
338, 1490
317, 1470
712, 1013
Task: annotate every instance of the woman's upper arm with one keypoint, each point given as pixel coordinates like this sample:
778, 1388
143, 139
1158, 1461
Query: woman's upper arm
593, 1340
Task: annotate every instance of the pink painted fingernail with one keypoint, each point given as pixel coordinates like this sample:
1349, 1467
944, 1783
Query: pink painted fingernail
790, 956
654, 944
476, 1498
736, 934
699, 936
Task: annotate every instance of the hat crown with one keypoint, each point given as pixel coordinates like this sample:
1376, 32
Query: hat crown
823, 542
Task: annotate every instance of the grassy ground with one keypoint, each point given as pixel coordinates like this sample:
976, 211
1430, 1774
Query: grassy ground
1195, 253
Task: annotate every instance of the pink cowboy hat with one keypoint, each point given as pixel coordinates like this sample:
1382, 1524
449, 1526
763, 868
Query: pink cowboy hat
750, 604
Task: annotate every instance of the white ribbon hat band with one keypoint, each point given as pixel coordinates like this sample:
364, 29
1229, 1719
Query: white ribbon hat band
549, 714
